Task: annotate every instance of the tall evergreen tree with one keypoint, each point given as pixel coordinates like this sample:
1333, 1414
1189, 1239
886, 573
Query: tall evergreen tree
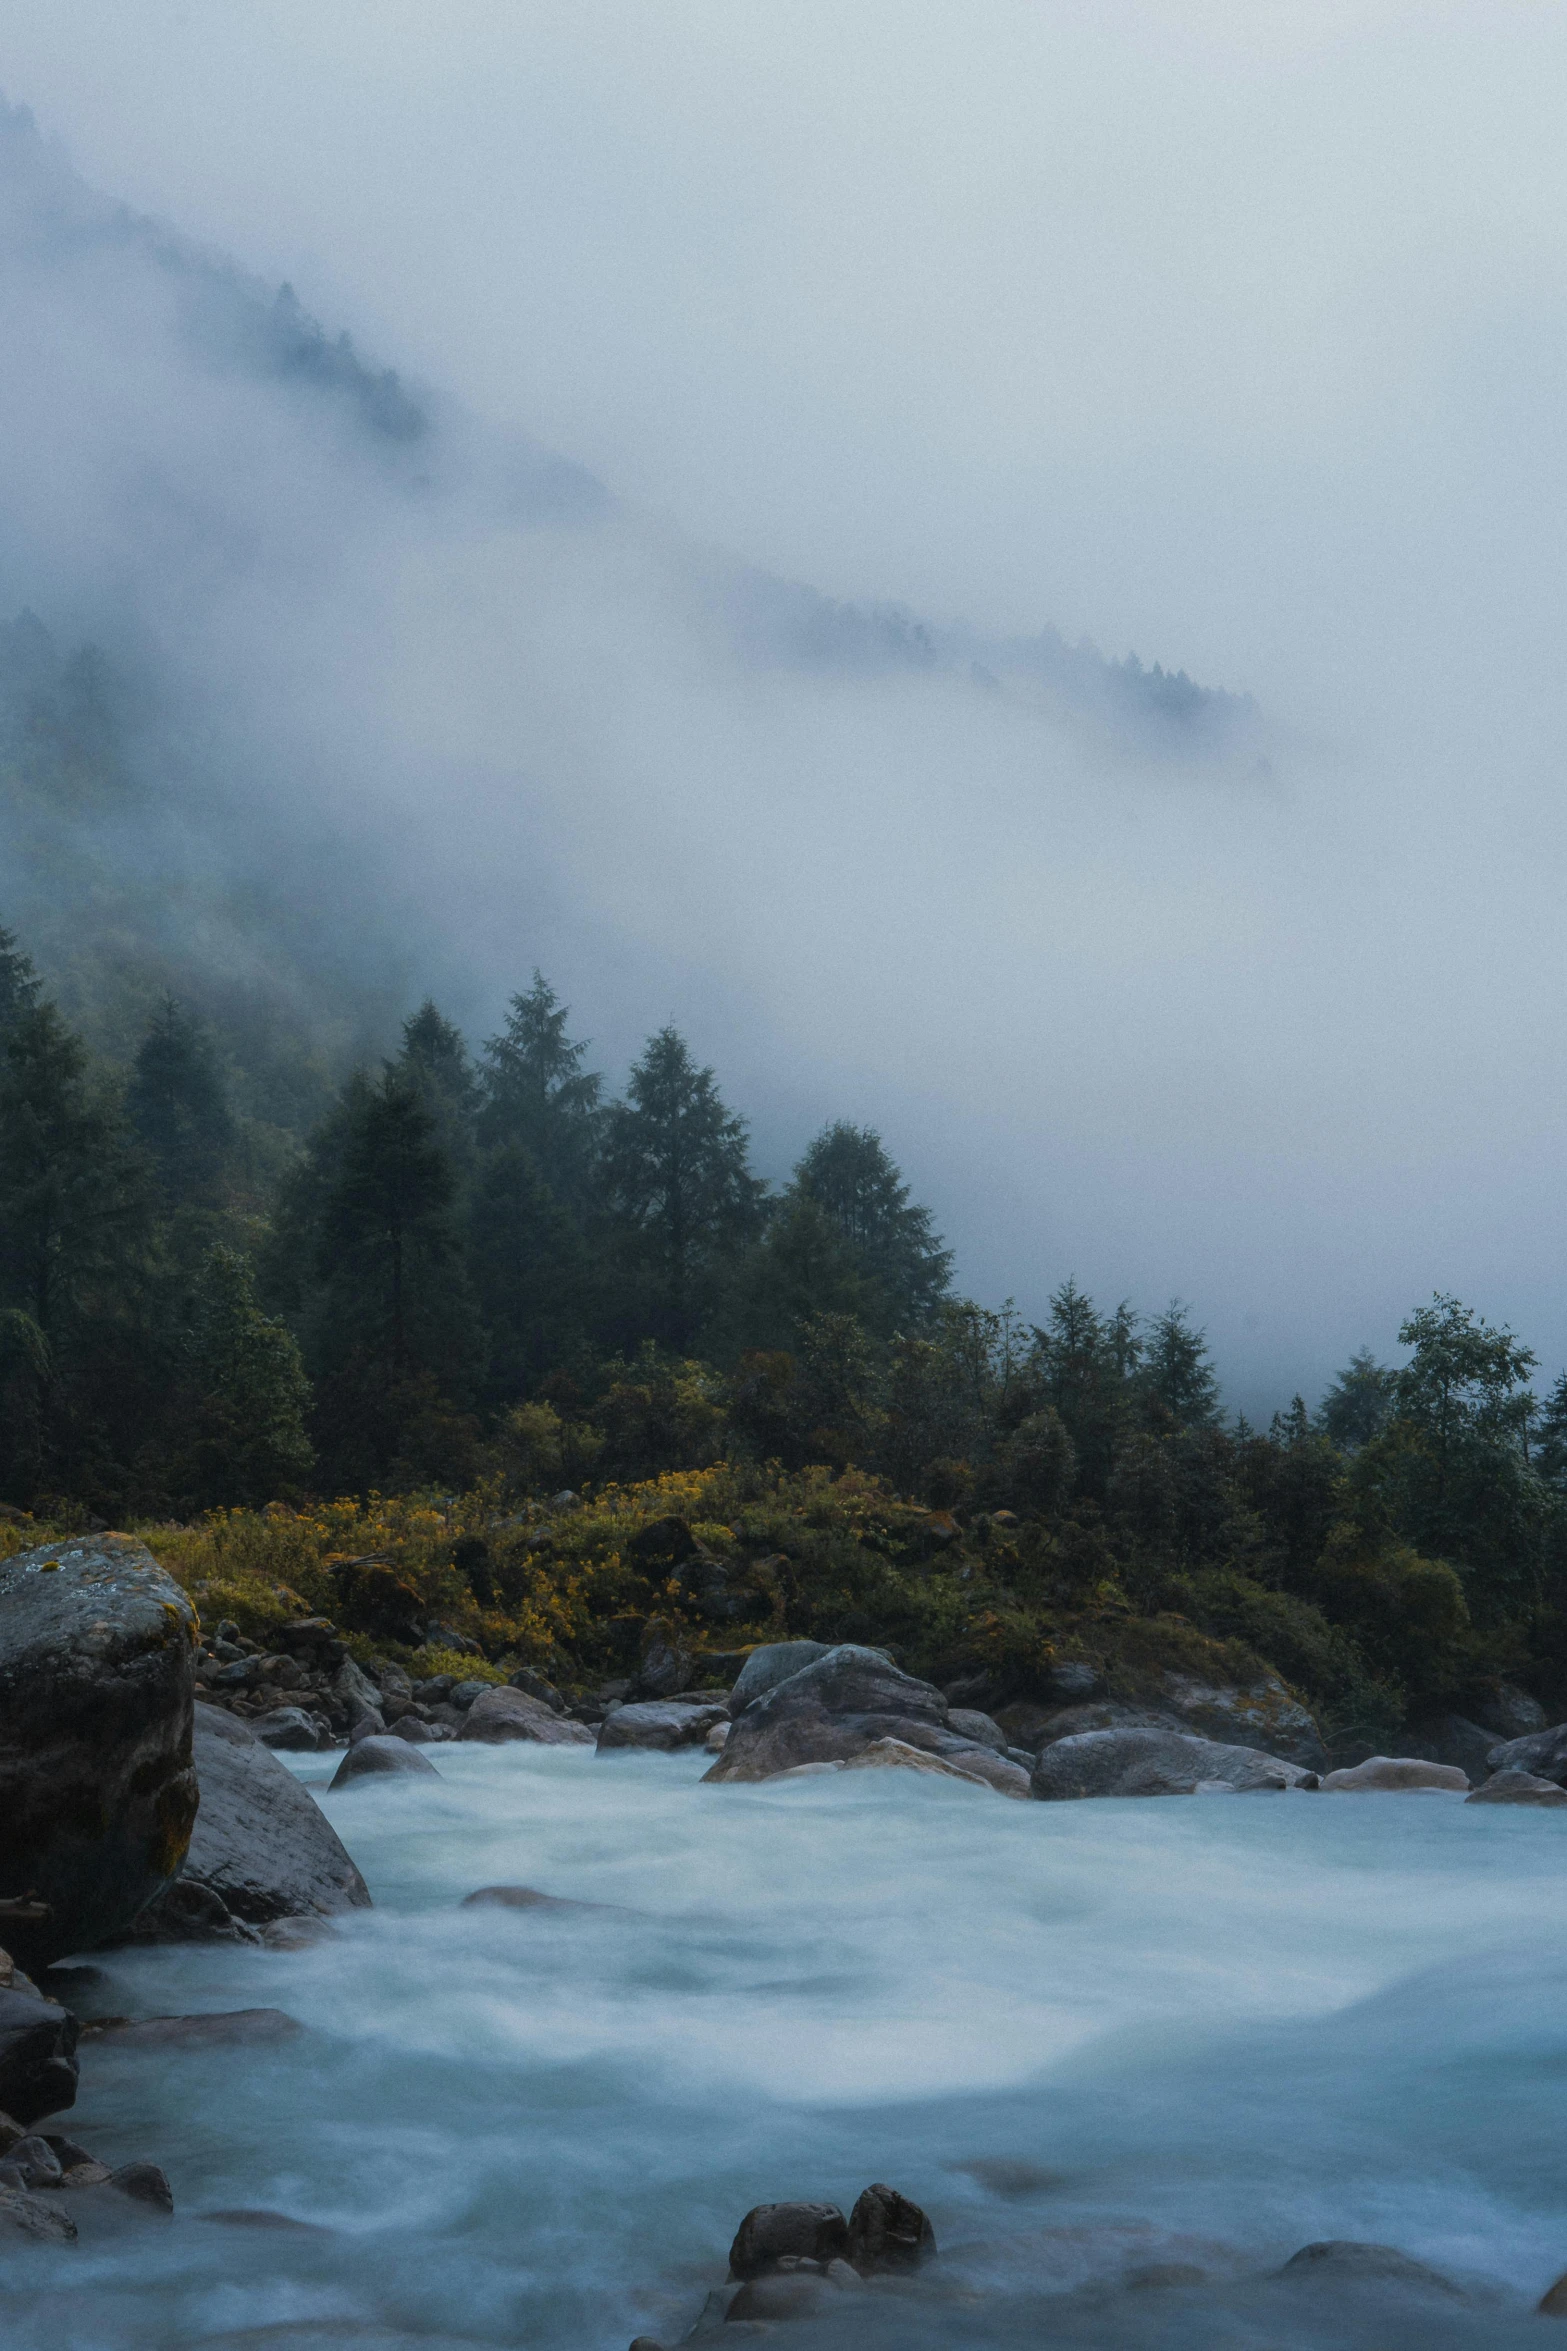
72, 1194
1178, 1377
850, 1176
434, 1061
678, 1179
1358, 1403
241, 1435
19, 983
390, 1208
537, 1096
178, 1107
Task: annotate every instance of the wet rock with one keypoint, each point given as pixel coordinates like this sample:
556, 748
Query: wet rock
666, 1666
1395, 1775
980, 1728
1156, 1763
97, 1793
144, 2183
377, 1756
505, 1714
357, 1695
1450, 1738
464, 1693
290, 1727
784, 2292
978, 1765
261, 1843
523, 1898
1346, 2259
296, 1934
37, 2056
534, 1685
769, 1665
420, 1733
222, 2028
664, 1726
834, 1708
44, 2219
717, 1738
250, 2216
1544, 1753
37, 2161
1519, 1787
190, 1912
888, 2231
769, 2232
90, 2174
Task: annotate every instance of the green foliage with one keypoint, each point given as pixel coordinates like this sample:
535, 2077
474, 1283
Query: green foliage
1357, 1406
178, 1109
890, 1242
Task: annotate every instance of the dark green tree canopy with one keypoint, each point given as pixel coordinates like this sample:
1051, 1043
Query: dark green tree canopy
434, 1062
178, 1106
678, 1179
537, 1095
19, 983
1359, 1402
392, 1199
73, 1198
849, 1175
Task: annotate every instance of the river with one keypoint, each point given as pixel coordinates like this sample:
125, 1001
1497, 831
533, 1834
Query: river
1089, 2038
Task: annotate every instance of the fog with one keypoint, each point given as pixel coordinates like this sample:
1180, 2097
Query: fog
1228, 336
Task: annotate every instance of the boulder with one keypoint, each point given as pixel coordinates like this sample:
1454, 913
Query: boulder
39, 2217
37, 2054
980, 1728
420, 1733
1544, 1753
1068, 1722
1450, 1738
888, 2231
1399, 1775
290, 1727
1253, 1714
358, 1696
504, 1713
97, 1793
464, 1693
1346, 2259
769, 1665
379, 1756
664, 1726
1508, 1712
771, 2232
666, 1666
1518, 1787
834, 1708
536, 1686
980, 1766
261, 1845
1156, 1763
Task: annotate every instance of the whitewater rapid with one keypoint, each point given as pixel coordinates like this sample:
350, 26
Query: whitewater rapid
1086, 2037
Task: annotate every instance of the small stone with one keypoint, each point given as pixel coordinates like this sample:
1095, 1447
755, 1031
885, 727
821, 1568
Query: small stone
768, 2231
145, 2183
888, 2231
37, 2160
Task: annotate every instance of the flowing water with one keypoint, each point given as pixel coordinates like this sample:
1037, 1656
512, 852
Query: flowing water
1089, 2038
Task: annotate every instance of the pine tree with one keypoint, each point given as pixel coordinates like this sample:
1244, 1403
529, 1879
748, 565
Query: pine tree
678, 1179
538, 1097
848, 1173
1177, 1372
391, 1204
178, 1107
242, 1437
19, 984
434, 1061
532, 1269
72, 1194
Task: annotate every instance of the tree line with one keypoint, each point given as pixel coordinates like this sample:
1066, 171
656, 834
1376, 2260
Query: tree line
480, 1268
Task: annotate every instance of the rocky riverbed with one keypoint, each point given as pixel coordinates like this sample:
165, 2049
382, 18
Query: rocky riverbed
1130, 2058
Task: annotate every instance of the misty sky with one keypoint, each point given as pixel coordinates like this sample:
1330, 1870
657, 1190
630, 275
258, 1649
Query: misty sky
1231, 334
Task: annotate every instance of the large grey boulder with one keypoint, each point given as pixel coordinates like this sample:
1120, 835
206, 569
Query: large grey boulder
835, 1708
262, 1845
381, 1756
661, 1724
1251, 1714
769, 1665
1544, 1753
1396, 1775
1157, 1763
97, 1793
1519, 1787
503, 1714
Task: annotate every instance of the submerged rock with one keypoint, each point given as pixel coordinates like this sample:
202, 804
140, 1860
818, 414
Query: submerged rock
221, 2028
379, 1755
1347, 2259
97, 1793
503, 1714
888, 2231
261, 1845
836, 1707
38, 2069
1399, 1775
1157, 1763
1519, 1787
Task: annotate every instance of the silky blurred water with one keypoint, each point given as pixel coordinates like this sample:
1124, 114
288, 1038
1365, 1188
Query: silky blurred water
1086, 2037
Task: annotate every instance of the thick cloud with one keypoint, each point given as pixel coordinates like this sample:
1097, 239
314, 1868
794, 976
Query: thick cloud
1231, 334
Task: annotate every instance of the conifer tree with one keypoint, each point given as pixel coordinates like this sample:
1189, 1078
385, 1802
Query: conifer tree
391, 1203
242, 1433
678, 1179
72, 1194
538, 1097
850, 1176
178, 1107
434, 1061
19, 983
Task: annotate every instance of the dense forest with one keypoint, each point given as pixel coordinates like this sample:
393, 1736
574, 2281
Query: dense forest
478, 1275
